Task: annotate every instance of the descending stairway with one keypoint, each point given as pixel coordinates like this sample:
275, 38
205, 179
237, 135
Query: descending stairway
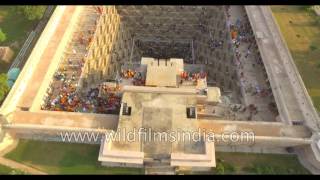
158, 166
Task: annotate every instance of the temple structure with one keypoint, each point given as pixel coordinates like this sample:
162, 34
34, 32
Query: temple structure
167, 103
110, 69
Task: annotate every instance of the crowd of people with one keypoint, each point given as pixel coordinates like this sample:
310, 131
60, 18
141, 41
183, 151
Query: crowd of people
136, 76
69, 100
188, 76
213, 44
63, 95
246, 52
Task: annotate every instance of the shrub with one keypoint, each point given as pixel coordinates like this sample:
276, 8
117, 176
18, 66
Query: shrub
4, 88
224, 168
313, 47
3, 36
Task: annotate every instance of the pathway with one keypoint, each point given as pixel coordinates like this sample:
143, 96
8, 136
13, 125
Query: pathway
253, 73
22, 167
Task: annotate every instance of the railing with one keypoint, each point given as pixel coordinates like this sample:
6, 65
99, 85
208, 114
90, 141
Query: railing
34, 34
23, 50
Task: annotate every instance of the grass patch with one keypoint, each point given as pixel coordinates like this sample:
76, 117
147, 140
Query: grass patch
304, 49
4, 67
251, 163
313, 47
266, 169
17, 28
64, 158
4, 170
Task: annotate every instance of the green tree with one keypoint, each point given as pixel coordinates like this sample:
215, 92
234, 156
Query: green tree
4, 88
3, 36
32, 12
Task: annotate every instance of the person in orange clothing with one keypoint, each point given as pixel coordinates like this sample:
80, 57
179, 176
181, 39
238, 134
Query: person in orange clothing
184, 75
234, 34
63, 100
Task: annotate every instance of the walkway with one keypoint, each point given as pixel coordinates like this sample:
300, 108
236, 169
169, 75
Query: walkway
8, 144
19, 166
254, 74
64, 120
307, 159
294, 103
267, 129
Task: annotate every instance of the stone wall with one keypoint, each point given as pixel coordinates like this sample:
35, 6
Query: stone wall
126, 33
56, 134
109, 50
16, 92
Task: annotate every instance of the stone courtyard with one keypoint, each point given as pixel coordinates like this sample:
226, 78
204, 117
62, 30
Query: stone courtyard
108, 40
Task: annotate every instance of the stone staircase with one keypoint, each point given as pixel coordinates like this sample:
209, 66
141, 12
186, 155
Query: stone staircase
158, 167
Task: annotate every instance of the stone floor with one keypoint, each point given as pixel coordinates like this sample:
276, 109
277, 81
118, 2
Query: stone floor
253, 75
159, 120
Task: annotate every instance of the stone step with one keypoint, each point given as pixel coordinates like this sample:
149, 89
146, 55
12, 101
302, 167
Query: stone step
165, 169
156, 165
156, 160
160, 173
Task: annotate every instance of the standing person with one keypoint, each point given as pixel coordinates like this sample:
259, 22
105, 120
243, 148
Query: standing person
248, 53
228, 24
238, 23
249, 46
